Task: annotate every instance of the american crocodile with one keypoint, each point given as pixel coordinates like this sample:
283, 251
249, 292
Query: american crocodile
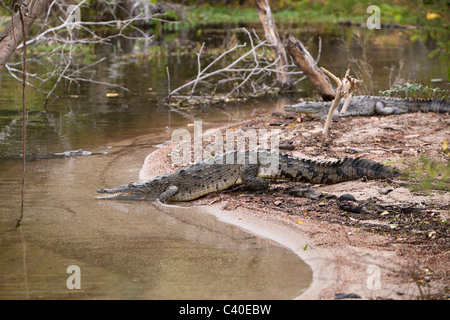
45, 156
249, 168
371, 105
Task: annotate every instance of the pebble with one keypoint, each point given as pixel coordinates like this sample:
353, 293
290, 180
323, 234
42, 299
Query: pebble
347, 197
277, 202
384, 190
307, 193
347, 296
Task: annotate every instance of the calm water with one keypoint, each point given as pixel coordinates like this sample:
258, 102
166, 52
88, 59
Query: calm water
134, 250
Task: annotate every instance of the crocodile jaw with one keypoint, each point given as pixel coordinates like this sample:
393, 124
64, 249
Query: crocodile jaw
131, 191
311, 110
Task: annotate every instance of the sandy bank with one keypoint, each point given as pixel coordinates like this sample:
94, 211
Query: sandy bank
349, 253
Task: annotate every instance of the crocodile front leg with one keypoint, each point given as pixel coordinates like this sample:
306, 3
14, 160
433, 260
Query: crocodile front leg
166, 195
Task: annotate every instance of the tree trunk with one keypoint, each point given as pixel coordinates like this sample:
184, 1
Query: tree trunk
12, 36
272, 36
309, 67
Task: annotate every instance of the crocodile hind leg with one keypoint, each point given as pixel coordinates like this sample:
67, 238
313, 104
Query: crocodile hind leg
381, 109
250, 180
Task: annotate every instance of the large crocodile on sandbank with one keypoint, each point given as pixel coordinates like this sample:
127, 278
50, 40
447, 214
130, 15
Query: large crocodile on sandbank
371, 106
249, 168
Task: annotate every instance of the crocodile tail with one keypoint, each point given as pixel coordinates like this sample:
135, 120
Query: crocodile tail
330, 172
430, 105
356, 168
441, 106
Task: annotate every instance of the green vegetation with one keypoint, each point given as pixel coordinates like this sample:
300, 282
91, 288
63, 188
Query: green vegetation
211, 15
426, 174
416, 91
401, 12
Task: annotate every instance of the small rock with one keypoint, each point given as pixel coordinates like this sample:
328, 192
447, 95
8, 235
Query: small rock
307, 193
347, 296
277, 202
347, 197
286, 146
384, 190
352, 208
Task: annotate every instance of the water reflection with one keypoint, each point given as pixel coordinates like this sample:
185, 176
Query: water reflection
129, 250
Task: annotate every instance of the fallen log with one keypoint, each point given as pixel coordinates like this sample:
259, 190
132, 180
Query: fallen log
309, 67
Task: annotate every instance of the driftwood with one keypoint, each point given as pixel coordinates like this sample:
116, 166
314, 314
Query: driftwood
346, 88
273, 38
308, 65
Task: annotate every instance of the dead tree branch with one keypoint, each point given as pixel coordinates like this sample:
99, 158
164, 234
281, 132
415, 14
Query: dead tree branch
345, 89
22, 13
13, 34
250, 71
308, 65
361, 64
273, 38
60, 62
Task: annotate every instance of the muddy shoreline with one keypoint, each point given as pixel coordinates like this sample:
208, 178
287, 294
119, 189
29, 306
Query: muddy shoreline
371, 255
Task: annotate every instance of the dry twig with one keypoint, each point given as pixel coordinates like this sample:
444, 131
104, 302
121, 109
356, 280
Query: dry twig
242, 72
60, 61
345, 89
